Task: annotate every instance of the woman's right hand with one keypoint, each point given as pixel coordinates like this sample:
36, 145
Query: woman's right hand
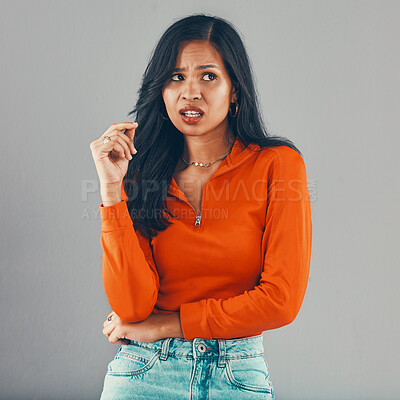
112, 158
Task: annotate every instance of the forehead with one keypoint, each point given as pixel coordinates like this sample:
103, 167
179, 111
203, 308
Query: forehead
196, 52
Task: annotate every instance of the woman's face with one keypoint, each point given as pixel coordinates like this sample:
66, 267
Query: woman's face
201, 88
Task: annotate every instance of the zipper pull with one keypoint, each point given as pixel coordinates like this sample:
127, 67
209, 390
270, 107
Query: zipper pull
198, 221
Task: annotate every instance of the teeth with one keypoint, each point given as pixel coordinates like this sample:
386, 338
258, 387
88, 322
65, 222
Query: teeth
191, 114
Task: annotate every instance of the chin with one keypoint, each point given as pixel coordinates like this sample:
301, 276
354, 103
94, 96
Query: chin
192, 129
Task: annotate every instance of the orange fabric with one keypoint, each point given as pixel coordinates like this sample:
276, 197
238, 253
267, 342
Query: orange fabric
244, 270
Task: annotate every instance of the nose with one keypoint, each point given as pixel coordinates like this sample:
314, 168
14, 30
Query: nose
191, 90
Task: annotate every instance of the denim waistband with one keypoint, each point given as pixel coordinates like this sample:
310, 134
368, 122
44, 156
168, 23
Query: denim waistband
200, 348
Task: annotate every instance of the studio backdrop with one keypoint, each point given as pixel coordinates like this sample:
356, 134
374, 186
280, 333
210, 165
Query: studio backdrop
327, 75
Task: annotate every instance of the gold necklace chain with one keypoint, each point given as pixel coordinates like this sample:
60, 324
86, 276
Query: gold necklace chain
199, 164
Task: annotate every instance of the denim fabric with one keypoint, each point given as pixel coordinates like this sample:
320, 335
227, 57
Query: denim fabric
198, 369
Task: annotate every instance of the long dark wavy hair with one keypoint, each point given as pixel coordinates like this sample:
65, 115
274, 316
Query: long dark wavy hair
159, 142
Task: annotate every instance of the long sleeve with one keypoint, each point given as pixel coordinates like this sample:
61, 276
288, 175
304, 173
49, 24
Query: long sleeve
130, 276
287, 239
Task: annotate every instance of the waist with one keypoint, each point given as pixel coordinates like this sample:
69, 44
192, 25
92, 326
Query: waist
204, 348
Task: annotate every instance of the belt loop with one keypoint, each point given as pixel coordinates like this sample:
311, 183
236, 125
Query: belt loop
221, 350
194, 348
164, 349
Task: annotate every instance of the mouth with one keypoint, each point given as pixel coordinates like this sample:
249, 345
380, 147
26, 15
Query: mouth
190, 114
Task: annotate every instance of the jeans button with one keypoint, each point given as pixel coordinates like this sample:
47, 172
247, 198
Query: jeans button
201, 348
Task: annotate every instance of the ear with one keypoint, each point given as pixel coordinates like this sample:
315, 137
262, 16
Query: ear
234, 93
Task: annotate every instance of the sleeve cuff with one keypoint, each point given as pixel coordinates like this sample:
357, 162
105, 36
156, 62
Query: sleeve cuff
194, 320
115, 217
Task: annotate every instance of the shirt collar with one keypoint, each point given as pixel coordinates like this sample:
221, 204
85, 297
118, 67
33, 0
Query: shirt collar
239, 154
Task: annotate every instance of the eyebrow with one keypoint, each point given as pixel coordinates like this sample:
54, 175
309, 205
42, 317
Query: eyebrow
199, 67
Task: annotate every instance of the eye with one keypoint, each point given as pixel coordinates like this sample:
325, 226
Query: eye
210, 74
179, 77
175, 75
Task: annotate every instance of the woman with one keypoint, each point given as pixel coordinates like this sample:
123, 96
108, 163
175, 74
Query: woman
206, 229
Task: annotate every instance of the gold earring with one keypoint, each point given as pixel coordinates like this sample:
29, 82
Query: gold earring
236, 109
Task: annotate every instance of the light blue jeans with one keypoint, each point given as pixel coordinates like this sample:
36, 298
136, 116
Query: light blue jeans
198, 369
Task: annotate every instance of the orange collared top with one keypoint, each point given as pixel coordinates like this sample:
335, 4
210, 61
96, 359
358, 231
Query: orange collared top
239, 268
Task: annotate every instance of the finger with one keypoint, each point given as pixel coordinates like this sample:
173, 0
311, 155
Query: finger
119, 146
103, 149
113, 338
125, 146
109, 146
130, 133
108, 329
128, 141
120, 127
122, 341
107, 321
110, 313
118, 149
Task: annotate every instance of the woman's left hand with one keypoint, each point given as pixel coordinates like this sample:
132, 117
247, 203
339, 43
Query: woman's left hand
148, 330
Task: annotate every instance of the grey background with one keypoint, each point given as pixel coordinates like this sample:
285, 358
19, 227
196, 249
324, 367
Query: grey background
327, 73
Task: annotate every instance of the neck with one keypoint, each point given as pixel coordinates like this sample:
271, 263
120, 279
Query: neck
207, 149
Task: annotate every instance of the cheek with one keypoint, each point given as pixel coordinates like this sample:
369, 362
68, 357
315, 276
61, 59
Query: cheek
166, 95
222, 96
165, 98
170, 102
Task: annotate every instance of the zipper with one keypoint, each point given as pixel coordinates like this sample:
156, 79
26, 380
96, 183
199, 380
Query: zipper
197, 222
